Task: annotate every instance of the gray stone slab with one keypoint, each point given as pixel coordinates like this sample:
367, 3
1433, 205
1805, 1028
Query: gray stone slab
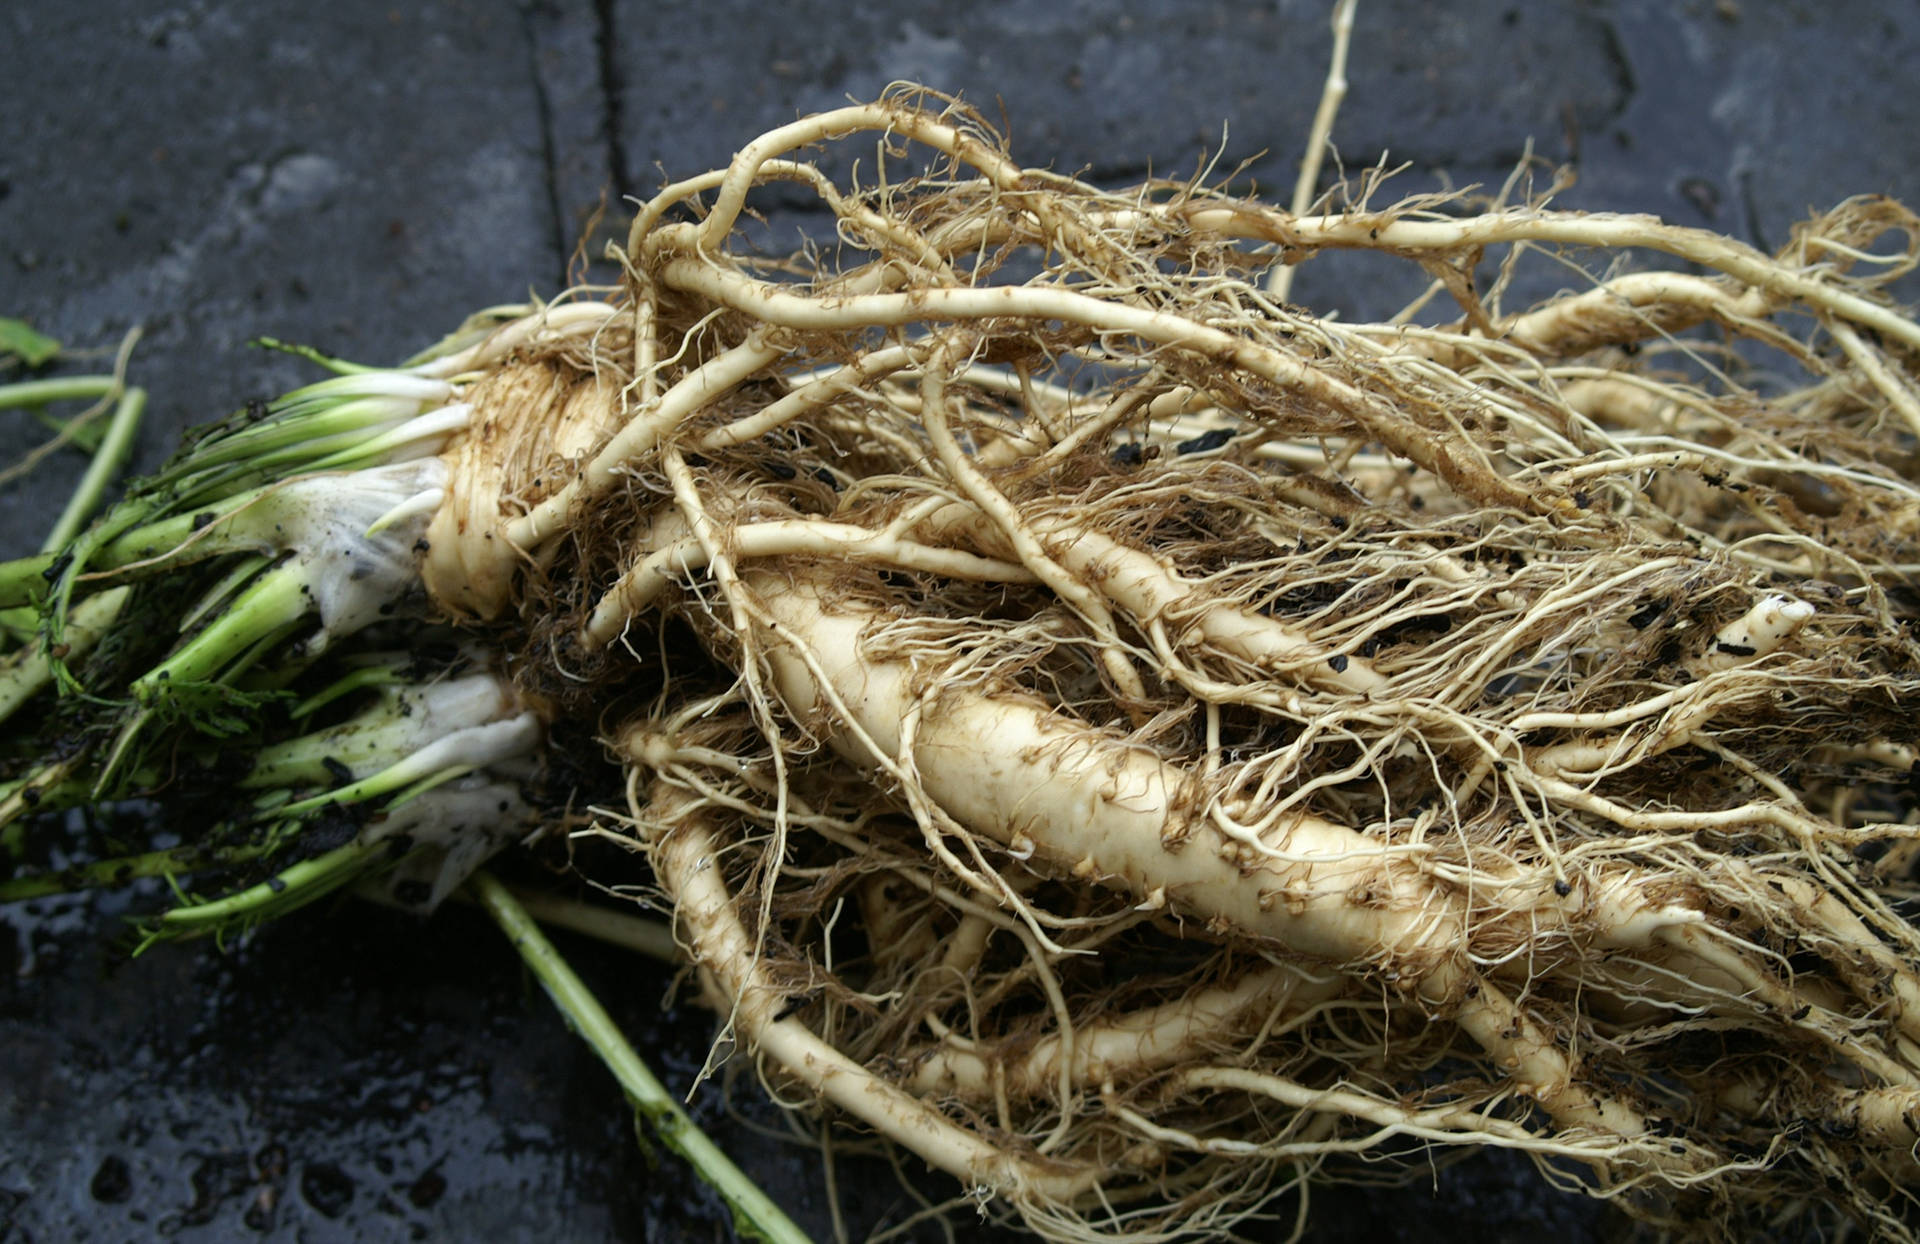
356, 177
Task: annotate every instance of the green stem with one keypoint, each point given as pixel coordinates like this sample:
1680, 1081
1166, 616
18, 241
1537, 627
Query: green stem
652, 938
49, 788
339, 367
266, 607
24, 673
53, 789
293, 887
196, 681
117, 871
754, 1213
107, 461
163, 544
286, 448
381, 675
406, 775
23, 581
296, 431
57, 389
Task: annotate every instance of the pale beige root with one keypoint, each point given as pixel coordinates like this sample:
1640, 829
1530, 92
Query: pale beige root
1449, 1123
1085, 805
1085, 802
1079, 805
1899, 392
1127, 1046
567, 328
1166, 609
1460, 463
543, 402
691, 864
535, 421
1457, 460
1169, 610
1401, 230
649, 425
685, 857
556, 436
641, 586
1631, 308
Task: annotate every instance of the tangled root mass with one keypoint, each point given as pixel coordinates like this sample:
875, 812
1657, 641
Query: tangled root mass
1143, 746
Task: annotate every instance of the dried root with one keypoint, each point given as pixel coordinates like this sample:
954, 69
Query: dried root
1139, 744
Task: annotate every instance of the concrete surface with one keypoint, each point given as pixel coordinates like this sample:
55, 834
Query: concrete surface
360, 176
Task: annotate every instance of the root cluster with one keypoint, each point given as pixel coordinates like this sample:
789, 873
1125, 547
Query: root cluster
1143, 746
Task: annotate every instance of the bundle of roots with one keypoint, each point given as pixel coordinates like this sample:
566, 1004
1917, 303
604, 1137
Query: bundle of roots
1142, 746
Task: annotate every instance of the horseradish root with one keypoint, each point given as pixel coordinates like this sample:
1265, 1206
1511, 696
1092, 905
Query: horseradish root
1143, 745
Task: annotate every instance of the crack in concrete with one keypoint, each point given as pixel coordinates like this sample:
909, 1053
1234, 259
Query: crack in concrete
1620, 67
612, 87
1750, 210
549, 160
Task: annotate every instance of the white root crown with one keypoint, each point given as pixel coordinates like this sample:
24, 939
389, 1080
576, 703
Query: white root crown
1133, 741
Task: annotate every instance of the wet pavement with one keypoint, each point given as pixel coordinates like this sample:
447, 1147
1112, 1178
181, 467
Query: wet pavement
361, 177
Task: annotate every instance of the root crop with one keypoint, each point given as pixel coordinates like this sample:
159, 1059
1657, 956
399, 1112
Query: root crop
1138, 744
1144, 746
